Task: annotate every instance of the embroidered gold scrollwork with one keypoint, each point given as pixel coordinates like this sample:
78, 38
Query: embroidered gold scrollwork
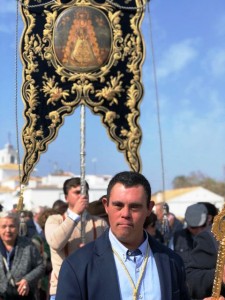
81, 51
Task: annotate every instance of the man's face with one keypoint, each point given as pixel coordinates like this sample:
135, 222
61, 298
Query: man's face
127, 210
8, 231
73, 195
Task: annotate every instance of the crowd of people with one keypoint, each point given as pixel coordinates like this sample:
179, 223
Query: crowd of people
126, 254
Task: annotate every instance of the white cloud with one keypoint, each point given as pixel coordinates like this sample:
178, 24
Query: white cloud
191, 120
217, 62
176, 58
194, 139
200, 137
195, 85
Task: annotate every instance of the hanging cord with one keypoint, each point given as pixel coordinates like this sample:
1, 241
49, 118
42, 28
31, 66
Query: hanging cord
122, 7
35, 5
16, 98
19, 208
165, 222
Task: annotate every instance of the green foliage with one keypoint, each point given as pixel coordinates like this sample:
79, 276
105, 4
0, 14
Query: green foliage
199, 179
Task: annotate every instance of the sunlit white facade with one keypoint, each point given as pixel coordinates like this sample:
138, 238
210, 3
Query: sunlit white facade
41, 191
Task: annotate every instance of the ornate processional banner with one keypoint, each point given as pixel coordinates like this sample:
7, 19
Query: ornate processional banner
77, 52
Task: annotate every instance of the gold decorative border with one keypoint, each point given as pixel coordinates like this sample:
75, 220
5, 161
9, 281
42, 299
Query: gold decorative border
65, 89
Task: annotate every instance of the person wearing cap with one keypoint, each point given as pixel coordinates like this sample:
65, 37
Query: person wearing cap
212, 211
196, 221
202, 265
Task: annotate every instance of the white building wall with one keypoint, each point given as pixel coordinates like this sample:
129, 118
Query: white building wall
178, 205
34, 198
46, 197
6, 173
11, 183
40, 191
33, 183
8, 155
56, 180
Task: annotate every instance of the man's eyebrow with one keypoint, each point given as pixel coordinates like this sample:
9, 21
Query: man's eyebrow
133, 204
117, 202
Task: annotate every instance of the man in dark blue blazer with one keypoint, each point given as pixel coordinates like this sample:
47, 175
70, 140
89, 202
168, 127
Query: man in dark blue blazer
125, 263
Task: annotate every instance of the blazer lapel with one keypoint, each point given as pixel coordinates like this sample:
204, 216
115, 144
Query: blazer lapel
106, 269
163, 266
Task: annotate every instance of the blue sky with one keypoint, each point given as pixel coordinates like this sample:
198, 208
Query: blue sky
189, 48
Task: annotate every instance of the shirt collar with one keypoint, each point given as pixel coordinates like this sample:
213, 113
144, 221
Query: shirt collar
121, 249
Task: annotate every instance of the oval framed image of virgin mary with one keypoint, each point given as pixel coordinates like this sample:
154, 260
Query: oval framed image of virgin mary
82, 39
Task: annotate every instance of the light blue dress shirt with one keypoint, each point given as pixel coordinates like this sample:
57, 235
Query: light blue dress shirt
149, 288
73, 216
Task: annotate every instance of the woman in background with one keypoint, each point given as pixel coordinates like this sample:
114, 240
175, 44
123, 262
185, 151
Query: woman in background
21, 265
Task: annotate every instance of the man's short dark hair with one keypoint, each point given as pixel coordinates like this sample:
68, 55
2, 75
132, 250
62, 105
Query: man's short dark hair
72, 182
130, 179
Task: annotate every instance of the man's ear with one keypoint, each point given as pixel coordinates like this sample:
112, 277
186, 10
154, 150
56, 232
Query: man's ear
151, 205
105, 203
